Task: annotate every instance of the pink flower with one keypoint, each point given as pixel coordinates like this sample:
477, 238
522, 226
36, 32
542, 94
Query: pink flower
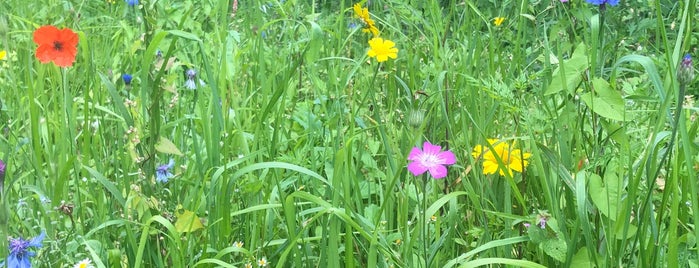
430, 158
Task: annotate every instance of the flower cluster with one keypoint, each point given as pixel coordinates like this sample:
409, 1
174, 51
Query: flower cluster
512, 159
380, 48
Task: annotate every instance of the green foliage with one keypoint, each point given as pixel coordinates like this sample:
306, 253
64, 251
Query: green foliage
293, 146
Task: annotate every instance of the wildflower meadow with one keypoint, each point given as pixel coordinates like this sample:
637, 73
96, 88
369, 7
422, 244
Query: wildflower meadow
334, 133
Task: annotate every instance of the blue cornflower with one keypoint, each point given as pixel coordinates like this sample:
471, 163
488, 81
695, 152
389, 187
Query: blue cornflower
162, 173
191, 78
19, 256
602, 2
132, 3
127, 79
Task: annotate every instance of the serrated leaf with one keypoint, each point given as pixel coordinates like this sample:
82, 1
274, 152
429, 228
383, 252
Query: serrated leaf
604, 101
536, 234
167, 147
569, 73
187, 221
556, 248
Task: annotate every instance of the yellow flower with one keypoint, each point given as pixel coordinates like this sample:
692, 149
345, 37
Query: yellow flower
363, 14
382, 49
2, 54
513, 159
498, 20
371, 28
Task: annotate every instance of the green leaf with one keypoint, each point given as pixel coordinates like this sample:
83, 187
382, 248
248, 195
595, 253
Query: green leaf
187, 221
604, 101
166, 146
605, 195
582, 259
556, 248
569, 74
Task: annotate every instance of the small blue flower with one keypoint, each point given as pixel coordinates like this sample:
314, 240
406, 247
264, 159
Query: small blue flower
127, 79
132, 3
602, 2
191, 75
162, 173
19, 256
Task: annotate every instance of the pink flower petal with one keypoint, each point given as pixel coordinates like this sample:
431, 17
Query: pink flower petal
430, 148
416, 168
447, 158
414, 154
438, 171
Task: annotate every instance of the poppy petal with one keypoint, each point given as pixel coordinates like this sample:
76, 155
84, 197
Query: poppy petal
44, 53
45, 35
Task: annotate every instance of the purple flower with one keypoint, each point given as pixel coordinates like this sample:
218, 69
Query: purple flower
685, 73
542, 218
19, 254
162, 173
602, 2
191, 75
430, 158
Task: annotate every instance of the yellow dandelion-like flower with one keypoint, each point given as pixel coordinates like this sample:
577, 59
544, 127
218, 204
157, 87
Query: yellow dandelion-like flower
382, 49
498, 21
363, 14
513, 159
2, 54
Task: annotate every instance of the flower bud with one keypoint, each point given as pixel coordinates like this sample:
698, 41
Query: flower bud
685, 73
415, 118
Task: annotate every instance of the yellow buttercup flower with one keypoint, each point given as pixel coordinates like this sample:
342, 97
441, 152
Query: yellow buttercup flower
382, 49
498, 21
2, 54
513, 159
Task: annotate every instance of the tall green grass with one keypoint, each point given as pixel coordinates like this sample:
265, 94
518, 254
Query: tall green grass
295, 141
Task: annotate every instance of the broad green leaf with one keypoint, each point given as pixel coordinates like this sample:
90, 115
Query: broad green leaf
166, 146
619, 232
604, 101
605, 194
582, 259
556, 248
187, 221
569, 73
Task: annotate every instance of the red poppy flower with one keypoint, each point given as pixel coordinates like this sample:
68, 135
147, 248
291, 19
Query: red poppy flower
59, 46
